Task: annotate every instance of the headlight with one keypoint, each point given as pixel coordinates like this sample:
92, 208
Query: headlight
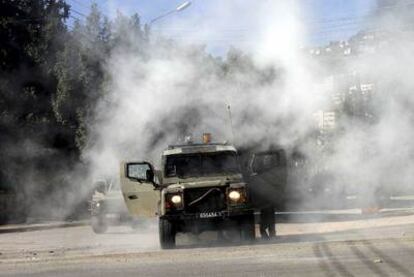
176, 199
234, 195
97, 204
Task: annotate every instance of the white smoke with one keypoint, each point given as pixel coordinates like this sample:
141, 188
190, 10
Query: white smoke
177, 79
178, 89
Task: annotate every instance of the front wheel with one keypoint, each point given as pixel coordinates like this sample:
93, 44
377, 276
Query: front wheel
167, 233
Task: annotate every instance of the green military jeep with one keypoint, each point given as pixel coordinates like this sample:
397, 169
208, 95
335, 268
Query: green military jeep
200, 187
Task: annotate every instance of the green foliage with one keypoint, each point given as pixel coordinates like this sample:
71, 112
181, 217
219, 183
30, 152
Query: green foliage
51, 79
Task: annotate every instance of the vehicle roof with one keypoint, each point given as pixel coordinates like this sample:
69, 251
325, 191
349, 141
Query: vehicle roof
198, 148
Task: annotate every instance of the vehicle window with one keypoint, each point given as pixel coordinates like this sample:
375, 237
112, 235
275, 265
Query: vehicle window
201, 164
138, 171
266, 161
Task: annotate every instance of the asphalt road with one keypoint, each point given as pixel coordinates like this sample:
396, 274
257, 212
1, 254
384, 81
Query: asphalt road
370, 247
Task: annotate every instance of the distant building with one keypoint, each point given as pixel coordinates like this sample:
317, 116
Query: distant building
325, 120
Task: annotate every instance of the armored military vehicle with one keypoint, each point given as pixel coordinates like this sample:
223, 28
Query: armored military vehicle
200, 187
107, 206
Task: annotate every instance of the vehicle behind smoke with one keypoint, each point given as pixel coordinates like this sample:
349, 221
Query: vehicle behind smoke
107, 206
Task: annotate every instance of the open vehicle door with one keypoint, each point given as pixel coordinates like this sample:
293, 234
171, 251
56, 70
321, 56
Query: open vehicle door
139, 189
266, 173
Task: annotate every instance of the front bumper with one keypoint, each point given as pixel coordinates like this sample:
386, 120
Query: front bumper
218, 215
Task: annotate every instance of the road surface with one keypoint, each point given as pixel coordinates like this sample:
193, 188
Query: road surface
381, 246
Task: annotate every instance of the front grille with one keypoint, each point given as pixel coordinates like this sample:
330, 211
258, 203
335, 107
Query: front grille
214, 200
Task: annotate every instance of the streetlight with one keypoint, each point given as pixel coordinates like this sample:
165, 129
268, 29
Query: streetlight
179, 8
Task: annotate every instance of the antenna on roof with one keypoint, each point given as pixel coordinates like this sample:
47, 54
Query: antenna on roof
231, 122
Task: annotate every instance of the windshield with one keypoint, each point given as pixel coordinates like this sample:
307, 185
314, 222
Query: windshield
201, 164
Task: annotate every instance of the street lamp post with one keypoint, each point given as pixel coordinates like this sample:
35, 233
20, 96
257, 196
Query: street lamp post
179, 8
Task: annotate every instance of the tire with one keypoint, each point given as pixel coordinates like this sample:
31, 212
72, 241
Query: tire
99, 224
248, 229
167, 233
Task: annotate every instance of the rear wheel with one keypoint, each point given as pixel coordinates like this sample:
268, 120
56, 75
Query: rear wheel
99, 224
247, 229
167, 234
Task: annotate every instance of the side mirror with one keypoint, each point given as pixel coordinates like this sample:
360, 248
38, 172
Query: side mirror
141, 172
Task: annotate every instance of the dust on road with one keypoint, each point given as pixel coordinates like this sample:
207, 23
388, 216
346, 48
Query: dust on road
75, 242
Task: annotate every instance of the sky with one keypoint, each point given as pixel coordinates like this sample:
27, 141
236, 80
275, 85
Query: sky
220, 24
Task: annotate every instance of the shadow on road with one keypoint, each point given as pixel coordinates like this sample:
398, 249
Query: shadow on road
348, 235
195, 242
367, 262
388, 259
326, 258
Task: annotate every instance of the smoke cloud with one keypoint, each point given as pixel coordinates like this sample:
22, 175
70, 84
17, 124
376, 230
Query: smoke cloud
180, 90
275, 90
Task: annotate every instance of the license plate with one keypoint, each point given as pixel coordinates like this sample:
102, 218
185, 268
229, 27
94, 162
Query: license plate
210, 215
